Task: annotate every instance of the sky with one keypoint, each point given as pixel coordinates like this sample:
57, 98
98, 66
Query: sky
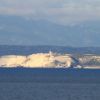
56, 12
59, 11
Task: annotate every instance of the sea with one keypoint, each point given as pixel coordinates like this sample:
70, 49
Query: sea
49, 84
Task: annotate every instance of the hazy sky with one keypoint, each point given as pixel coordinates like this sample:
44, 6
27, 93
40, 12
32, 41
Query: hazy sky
59, 11
28, 22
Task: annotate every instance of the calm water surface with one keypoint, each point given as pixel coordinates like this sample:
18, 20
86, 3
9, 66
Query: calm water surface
49, 84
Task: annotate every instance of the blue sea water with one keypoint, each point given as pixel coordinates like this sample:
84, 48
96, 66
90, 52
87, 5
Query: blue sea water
49, 84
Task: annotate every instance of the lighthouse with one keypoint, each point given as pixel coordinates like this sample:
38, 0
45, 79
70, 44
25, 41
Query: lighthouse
51, 59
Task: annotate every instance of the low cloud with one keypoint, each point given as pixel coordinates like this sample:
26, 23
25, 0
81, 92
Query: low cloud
59, 11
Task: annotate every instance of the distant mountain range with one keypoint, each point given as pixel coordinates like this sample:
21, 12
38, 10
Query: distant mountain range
16, 30
26, 50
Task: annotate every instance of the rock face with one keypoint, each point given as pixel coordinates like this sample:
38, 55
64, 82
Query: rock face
90, 61
11, 60
38, 60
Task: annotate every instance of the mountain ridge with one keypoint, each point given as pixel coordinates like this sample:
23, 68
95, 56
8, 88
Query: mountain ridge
26, 50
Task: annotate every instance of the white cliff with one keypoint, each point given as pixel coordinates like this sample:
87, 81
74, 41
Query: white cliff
51, 60
37, 60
